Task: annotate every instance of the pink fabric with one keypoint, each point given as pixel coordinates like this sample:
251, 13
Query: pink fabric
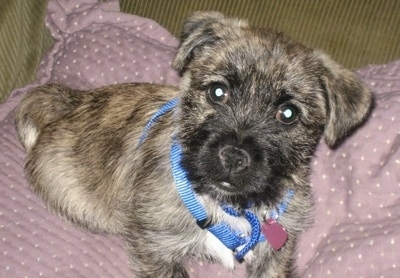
356, 186
357, 193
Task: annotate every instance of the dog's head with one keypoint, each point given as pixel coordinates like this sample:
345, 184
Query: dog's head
254, 105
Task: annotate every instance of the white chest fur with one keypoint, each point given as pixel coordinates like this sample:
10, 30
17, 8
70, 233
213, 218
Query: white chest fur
218, 250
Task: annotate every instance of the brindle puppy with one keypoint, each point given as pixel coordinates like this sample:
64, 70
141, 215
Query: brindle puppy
253, 105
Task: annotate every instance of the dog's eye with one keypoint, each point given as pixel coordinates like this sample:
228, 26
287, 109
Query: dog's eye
218, 93
287, 114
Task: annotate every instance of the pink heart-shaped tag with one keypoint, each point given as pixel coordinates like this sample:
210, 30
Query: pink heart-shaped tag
275, 233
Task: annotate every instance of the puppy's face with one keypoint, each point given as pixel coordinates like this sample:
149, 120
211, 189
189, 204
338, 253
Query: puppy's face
254, 105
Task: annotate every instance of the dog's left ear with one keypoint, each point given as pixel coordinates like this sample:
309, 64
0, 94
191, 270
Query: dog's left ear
199, 30
349, 100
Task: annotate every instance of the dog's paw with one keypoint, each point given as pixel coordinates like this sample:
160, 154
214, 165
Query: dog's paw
219, 251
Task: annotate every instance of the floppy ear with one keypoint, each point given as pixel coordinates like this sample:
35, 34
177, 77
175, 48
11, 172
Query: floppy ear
200, 30
349, 101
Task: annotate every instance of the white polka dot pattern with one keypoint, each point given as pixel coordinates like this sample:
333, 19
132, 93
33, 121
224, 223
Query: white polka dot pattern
93, 54
356, 186
357, 193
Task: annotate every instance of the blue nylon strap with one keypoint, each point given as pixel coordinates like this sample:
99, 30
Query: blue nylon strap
255, 234
183, 185
283, 205
164, 109
220, 230
227, 236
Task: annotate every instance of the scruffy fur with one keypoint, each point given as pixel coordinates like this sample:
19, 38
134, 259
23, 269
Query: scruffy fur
240, 144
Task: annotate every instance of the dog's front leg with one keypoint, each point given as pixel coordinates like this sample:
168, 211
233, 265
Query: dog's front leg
147, 264
268, 262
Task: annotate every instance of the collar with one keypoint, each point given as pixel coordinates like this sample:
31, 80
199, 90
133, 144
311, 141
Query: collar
232, 239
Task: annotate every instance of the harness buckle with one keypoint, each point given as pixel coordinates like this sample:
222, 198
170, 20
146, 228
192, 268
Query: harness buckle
204, 223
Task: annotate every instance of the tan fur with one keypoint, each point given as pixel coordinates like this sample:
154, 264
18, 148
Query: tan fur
85, 162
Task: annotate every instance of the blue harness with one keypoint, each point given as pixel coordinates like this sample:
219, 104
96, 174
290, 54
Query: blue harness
232, 239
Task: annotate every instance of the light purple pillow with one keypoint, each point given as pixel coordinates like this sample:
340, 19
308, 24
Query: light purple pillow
357, 204
356, 233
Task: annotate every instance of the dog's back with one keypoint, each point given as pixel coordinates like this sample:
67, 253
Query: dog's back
82, 147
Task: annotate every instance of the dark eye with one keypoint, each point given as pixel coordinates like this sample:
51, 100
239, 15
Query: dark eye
218, 93
287, 114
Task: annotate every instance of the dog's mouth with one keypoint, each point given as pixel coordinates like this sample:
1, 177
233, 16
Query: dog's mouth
228, 189
226, 186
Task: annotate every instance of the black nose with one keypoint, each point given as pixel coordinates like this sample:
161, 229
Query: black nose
234, 159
